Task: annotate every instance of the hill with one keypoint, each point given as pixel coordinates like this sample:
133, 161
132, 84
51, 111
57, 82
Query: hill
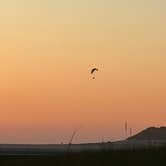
152, 133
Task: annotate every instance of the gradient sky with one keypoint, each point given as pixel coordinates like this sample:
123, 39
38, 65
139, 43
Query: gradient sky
47, 48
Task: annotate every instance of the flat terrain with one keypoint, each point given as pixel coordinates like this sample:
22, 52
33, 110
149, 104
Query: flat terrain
151, 157
41, 150
126, 153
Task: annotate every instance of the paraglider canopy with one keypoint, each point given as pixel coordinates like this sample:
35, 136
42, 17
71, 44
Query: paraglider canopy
93, 71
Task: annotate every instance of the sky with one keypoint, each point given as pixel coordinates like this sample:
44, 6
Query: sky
47, 49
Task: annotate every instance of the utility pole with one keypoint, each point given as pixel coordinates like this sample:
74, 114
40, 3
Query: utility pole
126, 129
131, 132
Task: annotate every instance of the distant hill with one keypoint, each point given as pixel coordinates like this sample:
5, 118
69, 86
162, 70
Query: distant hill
151, 133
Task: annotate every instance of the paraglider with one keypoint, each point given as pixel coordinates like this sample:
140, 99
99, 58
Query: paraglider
93, 71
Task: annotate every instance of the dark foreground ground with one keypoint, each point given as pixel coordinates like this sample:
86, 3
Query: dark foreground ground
155, 157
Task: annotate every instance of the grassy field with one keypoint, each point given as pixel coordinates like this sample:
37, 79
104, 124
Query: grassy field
155, 157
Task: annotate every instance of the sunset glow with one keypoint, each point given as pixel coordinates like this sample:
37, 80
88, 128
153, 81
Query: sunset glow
47, 49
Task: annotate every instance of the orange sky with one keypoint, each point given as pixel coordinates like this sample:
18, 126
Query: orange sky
47, 51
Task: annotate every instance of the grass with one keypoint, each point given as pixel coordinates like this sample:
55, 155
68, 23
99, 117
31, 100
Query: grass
151, 157
106, 158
